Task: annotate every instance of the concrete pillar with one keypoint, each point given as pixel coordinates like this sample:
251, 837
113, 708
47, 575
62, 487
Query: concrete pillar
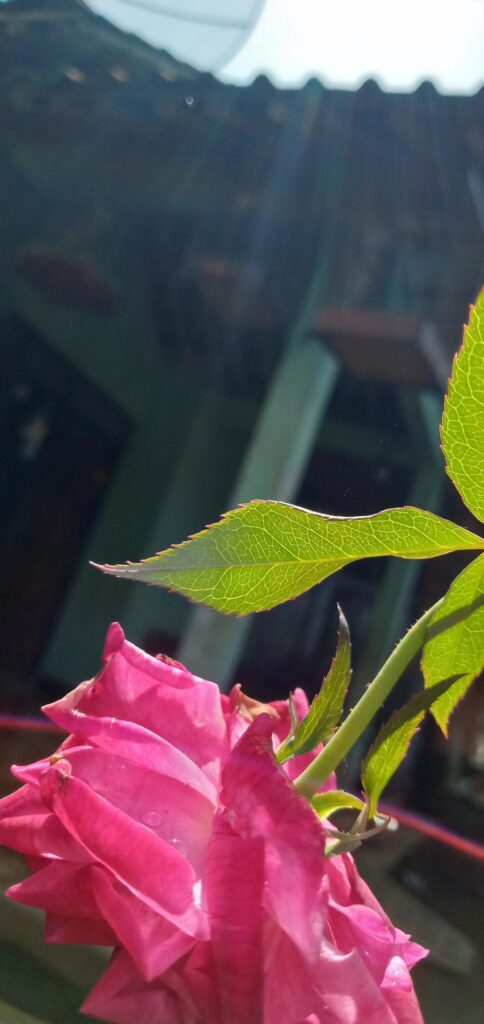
193, 495
273, 467
390, 613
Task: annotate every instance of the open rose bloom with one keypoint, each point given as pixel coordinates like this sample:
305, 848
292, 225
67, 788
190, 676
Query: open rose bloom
164, 827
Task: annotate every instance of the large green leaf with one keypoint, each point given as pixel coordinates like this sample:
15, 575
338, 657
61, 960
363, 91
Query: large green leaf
455, 639
391, 745
266, 552
326, 709
463, 420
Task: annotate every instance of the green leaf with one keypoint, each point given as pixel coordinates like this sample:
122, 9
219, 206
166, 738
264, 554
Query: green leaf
463, 419
455, 639
326, 709
391, 745
325, 804
341, 842
267, 552
347, 842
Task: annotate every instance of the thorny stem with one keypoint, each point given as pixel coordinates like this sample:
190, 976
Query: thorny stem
310, 780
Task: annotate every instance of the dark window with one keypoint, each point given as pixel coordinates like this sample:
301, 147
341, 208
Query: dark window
61, 439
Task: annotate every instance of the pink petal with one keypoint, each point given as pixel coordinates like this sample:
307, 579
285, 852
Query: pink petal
235, 883
236, 727
28, 826
60, 888
336, 990
398, 989
153, 942
133, 742
347, 991
411, 952
122, 997
363, 929
154, 693
78, 931
115, 638
146, 864
21, 802
340, 872
367, 925
289, 994
193, 981
295, 765
261, 802
301, 706
31, 774
174, 812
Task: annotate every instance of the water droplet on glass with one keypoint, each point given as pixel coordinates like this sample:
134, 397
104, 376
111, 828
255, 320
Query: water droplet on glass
190, 102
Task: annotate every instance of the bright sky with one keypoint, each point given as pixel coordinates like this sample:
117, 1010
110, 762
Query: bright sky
342, 42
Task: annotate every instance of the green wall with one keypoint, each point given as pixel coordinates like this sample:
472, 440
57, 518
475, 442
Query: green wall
174, 472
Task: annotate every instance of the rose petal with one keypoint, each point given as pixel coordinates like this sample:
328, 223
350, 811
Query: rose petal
411, 952
399, 992
361, 928
21, 803
263, 803
184, 709
193, 980
296, 765
337, 990
135, 743
176, 813
235, 882
77, 930
146, 864
221, 900
153, 942
28, 826
361, 922
60, 888
122, 997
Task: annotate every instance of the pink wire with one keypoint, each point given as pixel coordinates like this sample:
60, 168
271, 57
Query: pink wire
434, 831
22, 724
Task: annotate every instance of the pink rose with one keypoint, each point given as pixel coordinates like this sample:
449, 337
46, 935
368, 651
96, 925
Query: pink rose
163, 826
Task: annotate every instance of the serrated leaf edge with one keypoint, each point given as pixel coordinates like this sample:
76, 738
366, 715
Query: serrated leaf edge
385, 732
455, 363
286, 751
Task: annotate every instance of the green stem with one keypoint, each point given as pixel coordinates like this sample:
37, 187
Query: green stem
310, 781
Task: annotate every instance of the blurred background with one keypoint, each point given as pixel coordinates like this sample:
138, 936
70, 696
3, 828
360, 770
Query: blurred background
238, 244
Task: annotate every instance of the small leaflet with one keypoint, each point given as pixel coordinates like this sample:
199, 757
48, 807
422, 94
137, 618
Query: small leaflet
325, 804
455, 639
391, 745
326, 709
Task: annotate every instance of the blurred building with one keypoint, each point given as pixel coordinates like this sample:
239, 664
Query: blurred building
210, 294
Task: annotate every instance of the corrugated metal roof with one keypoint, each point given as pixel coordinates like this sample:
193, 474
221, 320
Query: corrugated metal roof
237, 187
